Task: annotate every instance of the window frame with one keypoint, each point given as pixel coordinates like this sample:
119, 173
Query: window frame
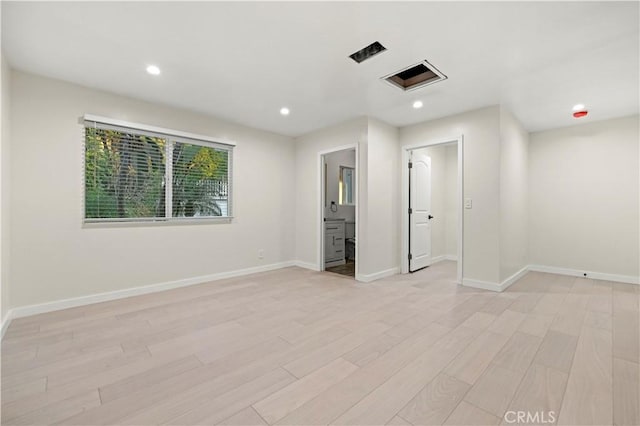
171, 137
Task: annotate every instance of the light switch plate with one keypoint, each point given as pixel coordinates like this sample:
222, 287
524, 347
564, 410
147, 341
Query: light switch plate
468, 203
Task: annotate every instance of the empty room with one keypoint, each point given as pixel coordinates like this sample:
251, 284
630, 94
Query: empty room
320, 213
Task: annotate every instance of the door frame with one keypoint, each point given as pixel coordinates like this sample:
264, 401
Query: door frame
404, 212
321, 202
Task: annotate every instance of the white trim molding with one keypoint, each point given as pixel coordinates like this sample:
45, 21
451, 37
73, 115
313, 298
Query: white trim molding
498, 287
444, 257
24, 311
57, 305
367, 278
153, 129
483, 285
306, 265
627, 279
5, 323
513, 278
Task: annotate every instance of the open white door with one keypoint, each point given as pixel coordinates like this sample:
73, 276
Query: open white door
419, 211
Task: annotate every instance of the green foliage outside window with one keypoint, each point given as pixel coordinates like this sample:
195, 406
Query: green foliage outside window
199, 180
125, 177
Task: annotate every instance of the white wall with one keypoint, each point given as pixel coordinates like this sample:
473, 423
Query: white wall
584, 186
382, 222
579, 185
334, 161
481, 132
307, 178
4, 187
377, 224
514, 197
54, 257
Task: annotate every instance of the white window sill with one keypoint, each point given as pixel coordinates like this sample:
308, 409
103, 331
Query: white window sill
137, 223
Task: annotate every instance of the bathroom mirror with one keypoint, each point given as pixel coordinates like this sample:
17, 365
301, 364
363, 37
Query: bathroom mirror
347, 184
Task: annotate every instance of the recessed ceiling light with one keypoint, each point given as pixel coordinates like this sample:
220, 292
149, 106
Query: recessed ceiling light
578, 107
417, 104
284, 111
153, 70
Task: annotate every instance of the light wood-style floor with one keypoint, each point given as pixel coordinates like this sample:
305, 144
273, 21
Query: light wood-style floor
300, 347
348, 269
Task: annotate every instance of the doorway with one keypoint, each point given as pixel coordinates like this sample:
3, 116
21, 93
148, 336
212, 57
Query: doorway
339, 207
432, 206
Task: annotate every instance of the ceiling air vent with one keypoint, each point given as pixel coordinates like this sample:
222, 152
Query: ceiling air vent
368, 52
415, 76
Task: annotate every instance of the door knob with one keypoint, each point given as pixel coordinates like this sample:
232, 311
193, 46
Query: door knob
430, 217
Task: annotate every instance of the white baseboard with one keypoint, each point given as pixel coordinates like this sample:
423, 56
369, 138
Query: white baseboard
444, 257
627, 279
5, 323
366, 278
498, 287
306, 265
485, 285
513, 278
24, 311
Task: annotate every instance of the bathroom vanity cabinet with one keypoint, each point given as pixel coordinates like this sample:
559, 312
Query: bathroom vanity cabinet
334, 249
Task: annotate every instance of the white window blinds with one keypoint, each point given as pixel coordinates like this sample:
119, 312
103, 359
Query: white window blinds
143, 173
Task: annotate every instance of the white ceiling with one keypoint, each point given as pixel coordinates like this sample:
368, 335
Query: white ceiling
244, 61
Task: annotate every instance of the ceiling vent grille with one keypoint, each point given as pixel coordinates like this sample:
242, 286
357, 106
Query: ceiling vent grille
415, 76
368, 52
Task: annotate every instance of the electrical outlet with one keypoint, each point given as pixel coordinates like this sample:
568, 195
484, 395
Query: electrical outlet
260, 253
468, 203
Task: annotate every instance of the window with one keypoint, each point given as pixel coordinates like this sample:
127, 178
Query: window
142, 173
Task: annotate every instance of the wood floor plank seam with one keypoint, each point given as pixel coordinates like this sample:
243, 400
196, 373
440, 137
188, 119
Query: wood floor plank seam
461, 398
475, 406
546, 340
583, 411
522, 376
396, 366
439, 347
528, 367
258, 414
